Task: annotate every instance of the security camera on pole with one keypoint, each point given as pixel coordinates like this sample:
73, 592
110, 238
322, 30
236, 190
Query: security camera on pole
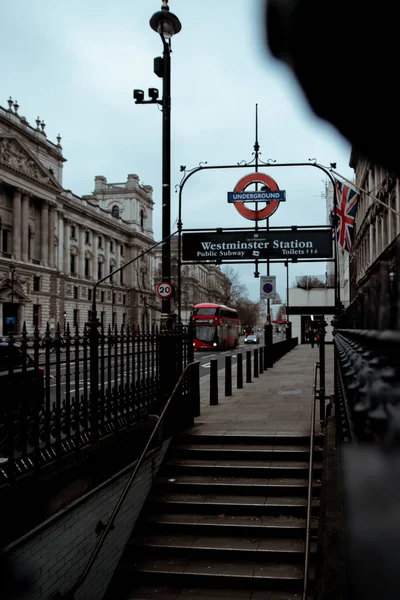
166, 25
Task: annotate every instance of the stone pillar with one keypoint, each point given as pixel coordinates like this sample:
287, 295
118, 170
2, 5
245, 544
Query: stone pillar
52, 225
25, 227
106, 257
17, 224
67, 246
81, 265
44, 234
93, 265
21, 315
60, 231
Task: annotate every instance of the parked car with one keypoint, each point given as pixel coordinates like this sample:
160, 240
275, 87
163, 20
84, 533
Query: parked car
26, 382
252, 339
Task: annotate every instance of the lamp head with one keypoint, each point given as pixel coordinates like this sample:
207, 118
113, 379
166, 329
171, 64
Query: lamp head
164, 22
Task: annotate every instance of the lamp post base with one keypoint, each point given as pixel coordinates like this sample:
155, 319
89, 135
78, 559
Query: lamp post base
166, 321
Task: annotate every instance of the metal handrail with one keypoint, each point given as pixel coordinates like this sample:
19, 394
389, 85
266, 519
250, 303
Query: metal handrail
310, 478
70, 595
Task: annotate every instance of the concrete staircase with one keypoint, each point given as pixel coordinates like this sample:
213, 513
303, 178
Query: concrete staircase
226, 518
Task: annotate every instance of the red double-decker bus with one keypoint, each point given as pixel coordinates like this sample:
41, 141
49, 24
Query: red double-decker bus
216, 326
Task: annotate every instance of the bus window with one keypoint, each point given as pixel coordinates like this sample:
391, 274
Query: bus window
205, 311
205, 334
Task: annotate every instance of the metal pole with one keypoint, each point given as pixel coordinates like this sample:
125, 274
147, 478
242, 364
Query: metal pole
166, 321
322, 373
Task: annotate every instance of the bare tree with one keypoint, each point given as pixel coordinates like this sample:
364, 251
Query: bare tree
307, 282
281, 312
233, 290
249, 312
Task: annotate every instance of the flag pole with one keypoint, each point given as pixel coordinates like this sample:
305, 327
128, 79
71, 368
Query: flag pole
354, 185
337, 276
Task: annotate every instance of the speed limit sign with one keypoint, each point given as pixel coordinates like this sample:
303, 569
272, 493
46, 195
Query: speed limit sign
164, 290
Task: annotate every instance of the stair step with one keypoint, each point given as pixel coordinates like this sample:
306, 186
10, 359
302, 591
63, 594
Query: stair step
233, 525
249, 438
217, 468
170, 593
206, 573
231, 505
223, 451
219, 548
234, 485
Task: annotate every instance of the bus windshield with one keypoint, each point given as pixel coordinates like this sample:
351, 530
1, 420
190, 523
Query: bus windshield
205, 334
205, 311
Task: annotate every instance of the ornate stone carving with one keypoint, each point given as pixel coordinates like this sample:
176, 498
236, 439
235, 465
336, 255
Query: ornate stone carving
13, 155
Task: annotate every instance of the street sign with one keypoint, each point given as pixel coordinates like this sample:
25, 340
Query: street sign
267, 211
262, 196
164, 290
250, 245
268, 287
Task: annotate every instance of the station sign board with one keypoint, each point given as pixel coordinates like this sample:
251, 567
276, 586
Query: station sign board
251, 245
261, 196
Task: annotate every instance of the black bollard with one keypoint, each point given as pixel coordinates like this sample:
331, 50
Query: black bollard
228, 375
261, 368
239, 373
255, 362
213, 382
248, 366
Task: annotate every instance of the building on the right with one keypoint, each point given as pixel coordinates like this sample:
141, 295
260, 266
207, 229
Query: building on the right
377, 223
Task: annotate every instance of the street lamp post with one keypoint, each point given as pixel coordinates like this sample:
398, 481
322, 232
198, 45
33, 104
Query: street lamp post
166, 25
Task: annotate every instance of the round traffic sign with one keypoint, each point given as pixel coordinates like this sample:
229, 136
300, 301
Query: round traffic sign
264, 213
268, 287
164, 290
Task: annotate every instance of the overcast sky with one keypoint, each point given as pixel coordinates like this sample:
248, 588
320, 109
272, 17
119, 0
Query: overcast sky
74, 64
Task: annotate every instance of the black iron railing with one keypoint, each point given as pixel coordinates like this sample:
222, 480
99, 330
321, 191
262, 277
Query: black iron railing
48, 409
367, 360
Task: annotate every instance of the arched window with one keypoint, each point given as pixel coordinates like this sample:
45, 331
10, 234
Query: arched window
115, 211
142, 218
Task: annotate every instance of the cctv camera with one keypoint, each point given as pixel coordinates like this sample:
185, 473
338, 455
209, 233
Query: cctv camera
153, 94
138, 96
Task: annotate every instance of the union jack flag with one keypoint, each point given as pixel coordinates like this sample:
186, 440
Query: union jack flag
346, 209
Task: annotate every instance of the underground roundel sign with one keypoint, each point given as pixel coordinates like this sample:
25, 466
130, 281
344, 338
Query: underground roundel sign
267, 211
164, 290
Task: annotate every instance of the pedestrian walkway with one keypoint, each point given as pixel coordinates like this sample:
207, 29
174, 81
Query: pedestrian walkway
277, 402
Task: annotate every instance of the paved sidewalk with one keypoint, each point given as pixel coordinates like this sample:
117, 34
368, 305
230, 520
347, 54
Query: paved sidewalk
277, 402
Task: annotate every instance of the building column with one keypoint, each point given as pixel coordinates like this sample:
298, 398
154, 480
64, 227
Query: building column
17, 224
67, 246
106, 257
44, 234
25, 228
60, 232
52, 225
93, 266
81, 265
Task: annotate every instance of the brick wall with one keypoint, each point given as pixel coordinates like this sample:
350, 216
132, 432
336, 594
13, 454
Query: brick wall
55, 554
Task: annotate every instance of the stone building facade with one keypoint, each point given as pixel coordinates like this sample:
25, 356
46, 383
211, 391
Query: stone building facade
55, 245
376, 227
